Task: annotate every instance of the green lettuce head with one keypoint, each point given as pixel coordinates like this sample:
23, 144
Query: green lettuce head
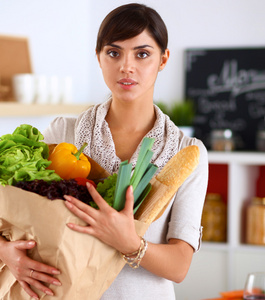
23, 157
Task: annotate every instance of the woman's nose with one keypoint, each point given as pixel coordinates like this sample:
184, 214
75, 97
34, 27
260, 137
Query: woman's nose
127, 65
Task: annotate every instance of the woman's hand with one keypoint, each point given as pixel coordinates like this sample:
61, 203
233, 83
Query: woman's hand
27, 272
113, 228
117, 230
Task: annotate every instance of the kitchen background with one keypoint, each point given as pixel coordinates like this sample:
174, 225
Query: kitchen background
62, 36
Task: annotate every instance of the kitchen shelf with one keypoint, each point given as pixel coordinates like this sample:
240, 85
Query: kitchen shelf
242, 176
13, 109
223, 266
242, 170
246, 158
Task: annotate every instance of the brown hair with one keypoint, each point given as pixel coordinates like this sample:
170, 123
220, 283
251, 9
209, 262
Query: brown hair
127, 21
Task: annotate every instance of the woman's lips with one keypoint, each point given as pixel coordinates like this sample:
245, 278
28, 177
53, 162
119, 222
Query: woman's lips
127, 83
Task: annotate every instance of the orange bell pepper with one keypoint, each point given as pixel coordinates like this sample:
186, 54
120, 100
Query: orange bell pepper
69, 162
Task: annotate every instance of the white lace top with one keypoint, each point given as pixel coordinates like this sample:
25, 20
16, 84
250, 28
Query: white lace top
182, 218
93, 129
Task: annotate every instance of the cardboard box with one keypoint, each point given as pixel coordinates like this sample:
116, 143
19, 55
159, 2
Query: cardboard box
14, 59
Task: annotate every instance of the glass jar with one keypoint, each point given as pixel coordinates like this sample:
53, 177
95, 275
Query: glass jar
222, 140
255, 229
214, 218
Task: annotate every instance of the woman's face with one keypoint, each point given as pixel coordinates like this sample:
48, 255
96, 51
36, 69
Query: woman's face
130, 67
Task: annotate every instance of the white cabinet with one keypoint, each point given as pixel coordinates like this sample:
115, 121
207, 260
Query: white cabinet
224, 266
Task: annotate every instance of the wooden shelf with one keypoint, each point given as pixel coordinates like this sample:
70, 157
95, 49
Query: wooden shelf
13, 109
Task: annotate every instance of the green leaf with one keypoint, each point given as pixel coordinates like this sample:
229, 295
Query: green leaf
107, 188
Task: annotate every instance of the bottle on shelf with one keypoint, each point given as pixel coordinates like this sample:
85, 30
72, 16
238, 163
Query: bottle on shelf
214, 219
255, 222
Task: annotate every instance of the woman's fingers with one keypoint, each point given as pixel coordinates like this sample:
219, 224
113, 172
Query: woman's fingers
82, 229
38, 275
80, 209
28, 290
38, 283
129, 203
84, 211
101, 203
37, 279
91, 215
27, 271
25, 245
43, 269
20, 263
114, 228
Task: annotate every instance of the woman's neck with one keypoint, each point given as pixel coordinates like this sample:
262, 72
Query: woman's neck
131, 117
129, 123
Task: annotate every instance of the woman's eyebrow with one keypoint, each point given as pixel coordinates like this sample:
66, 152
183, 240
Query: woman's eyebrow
143, 46
135, 48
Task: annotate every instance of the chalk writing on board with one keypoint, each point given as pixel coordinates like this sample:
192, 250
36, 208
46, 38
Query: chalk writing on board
228, 88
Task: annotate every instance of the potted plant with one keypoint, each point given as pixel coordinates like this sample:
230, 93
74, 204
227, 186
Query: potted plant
181, 113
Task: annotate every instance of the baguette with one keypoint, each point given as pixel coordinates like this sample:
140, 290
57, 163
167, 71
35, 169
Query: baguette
167, 182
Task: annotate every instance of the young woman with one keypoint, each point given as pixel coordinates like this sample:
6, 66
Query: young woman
131, 50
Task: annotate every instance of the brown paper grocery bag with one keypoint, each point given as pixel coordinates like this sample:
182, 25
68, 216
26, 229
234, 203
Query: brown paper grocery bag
88, 266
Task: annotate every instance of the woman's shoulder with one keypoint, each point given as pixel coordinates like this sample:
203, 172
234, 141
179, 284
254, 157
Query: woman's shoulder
186, 141
61, 129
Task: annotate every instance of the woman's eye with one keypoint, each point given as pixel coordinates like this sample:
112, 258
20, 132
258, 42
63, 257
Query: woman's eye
113, 53
143, 54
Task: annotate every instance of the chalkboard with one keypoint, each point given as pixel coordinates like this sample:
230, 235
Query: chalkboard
228, 89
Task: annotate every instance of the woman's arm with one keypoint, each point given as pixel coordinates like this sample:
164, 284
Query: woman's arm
117, 229
170, 261
27, 271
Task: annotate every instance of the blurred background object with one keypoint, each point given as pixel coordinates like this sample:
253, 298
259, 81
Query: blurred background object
14, 59
214, 219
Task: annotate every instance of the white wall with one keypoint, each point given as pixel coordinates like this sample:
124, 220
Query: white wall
63, 33
59, 37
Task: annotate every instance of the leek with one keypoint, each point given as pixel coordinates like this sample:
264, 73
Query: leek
144, 157
144, 181
123, 182
140, 179
142, 197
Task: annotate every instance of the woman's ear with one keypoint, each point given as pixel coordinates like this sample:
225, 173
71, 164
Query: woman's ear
164, 59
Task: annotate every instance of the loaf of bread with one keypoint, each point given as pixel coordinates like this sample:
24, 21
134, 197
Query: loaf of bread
167, 182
